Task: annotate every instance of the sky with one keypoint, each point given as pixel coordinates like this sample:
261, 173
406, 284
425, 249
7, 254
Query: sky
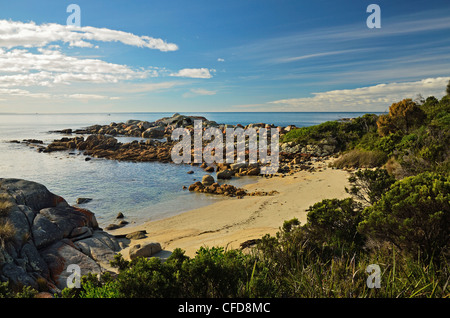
212, 56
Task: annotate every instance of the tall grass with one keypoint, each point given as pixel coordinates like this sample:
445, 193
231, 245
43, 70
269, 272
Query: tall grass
346, 277
358, 158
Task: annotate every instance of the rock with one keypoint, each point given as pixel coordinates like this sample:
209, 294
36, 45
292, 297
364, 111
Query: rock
83, 200
132, 122
145, 250
136, 235
62, 254
154, 132
120, 215
237, 166
31, 194
253, 172
17, 276
190, 172
113, 227
224, 174
209, 169
33, 141
207, 180
80, 233
101, 247
49, 236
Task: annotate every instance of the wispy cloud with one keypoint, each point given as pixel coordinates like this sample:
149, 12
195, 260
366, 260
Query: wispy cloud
199, 92
315, 55
15, 34
375, 98
371, 98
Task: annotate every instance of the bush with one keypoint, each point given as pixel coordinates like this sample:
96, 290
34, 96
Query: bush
414, 215
368, 186
7, 231
213, 272
333, 223
345, 134
403, 116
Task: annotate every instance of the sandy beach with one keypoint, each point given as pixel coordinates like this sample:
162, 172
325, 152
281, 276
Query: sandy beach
232, 221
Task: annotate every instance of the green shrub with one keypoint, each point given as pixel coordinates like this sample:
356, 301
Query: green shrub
334, 222
414, 215
368, 186
345, 134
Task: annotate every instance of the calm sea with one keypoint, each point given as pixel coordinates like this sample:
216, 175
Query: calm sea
141, 191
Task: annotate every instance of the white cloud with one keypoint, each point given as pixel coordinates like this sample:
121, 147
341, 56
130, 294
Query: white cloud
193, 73
14, 34
22, 93
220, 60
371, 98
199, 92
50, 67
87, 96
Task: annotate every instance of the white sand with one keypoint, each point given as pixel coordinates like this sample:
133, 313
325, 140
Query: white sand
232, 221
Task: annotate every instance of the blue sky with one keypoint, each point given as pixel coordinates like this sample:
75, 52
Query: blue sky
220, 55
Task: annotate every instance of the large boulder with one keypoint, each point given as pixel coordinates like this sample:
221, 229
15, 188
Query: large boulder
207, 180
144, 250
32, 194
48, 235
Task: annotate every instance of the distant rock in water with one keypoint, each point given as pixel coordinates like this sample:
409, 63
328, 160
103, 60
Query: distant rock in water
41, 235
83, 200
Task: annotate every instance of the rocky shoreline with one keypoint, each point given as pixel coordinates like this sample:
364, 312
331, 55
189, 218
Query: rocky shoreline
41, 235
100, 141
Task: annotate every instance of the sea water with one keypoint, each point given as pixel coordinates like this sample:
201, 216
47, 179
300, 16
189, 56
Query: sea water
141, 191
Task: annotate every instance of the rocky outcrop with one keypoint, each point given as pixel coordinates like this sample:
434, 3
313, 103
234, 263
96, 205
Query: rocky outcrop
225, 190
101, 146
101, 143
41, 235
136, 128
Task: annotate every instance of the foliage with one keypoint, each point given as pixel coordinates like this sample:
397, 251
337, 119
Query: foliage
414, 215
24, 292
343, 133
368, 186
7, 231
333, 223
403, 116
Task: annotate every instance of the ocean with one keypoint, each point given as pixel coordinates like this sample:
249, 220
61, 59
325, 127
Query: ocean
141, 191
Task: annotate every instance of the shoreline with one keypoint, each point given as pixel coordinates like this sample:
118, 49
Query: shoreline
232, 221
